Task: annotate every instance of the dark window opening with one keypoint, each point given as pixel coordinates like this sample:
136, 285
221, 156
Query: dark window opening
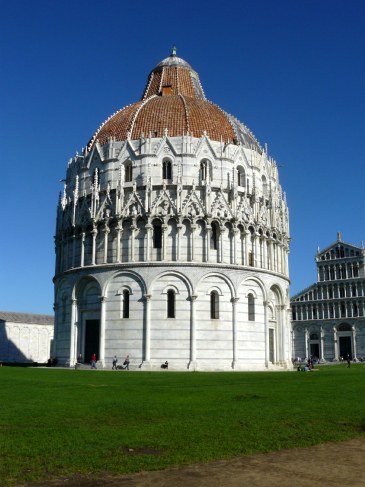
157, 236
170, 303
125, 304
251, 308
166, 170
214, 305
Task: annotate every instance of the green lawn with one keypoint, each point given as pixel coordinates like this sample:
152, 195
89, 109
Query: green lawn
58, 422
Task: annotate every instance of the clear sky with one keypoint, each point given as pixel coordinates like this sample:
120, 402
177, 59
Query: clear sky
292, 70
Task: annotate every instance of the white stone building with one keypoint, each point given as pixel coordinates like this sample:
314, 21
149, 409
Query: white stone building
25, 338
328, 318
172, 238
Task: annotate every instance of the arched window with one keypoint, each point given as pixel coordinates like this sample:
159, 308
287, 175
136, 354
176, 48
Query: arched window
342, 292
166, 169
157, 235
171, 303
251, 307
125, 303
214, 305
214, 236
204, 170
128, 173
241, 177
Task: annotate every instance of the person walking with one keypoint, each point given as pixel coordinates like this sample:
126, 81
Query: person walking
115, 361
93, 361
126, 363
348, 361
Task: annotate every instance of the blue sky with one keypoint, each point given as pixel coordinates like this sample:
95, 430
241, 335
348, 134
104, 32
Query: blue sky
292, 71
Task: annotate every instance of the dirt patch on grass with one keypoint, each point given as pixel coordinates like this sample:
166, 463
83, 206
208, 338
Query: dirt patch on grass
330, 464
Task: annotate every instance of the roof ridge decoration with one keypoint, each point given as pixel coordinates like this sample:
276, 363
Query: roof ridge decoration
186, 113
150, 78
93, 138
133, 121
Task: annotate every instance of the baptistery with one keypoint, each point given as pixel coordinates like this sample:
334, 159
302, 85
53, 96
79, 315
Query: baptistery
172, 238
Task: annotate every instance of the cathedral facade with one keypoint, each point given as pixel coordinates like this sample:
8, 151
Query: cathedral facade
172, 238
329, 316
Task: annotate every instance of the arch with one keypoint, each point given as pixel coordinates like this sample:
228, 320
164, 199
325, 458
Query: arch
223, 277
169, 287
121, 273
167, 273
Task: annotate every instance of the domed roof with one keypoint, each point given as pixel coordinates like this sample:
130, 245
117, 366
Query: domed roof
174, 103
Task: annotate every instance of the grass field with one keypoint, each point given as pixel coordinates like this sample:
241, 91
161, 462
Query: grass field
60, 422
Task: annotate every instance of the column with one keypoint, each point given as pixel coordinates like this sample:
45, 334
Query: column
106, 234
73, 249
208, 237
164, 240
147, 349
193, 228
234, 331
101, 357
94, 233
306, 343
321, 338
149, 241
192, 363
178, 243
354, 357
335, 342
73, 325
82, 258
267, 338
133, 241
119, 234
220, 243
234, 241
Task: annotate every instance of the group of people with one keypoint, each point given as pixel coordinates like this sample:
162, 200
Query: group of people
124, 366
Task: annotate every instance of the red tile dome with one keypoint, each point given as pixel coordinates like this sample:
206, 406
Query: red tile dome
173, 103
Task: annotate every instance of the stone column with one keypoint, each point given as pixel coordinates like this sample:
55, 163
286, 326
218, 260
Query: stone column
73, 338
106, 235
101, 358
335, 343
178, 243
208, 235
354, 354
149, 241
82, 258
220, 243
193, 228
306, 343
235, 233
133, 241
94, 233
321, 339
147, 349
119, 235
234, 331
164, 240
192, 363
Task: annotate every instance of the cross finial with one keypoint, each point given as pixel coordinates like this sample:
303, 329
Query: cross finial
173, 51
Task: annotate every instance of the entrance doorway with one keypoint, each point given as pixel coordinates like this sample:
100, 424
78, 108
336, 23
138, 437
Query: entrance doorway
314, 350
345, 347
92, 339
